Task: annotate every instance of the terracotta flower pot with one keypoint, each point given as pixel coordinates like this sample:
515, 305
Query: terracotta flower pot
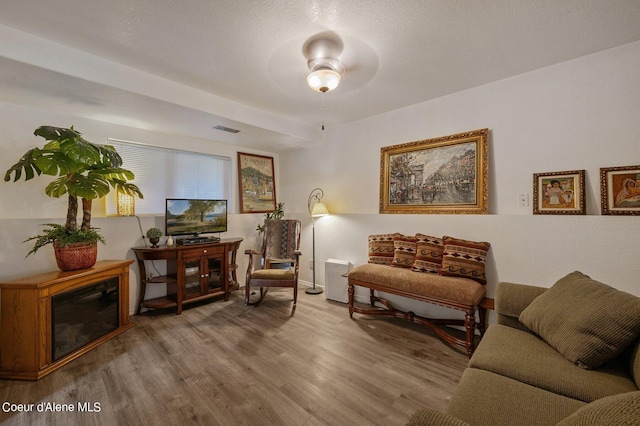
76, 256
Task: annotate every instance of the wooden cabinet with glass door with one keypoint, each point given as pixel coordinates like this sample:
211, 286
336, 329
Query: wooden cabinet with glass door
193, 273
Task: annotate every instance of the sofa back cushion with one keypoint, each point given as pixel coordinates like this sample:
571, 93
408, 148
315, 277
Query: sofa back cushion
585, 320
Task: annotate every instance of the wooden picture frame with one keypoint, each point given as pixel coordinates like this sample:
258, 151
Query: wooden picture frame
257, 183
445, 175
559, 193
620, 190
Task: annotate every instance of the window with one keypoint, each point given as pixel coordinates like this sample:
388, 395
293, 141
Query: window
162, 173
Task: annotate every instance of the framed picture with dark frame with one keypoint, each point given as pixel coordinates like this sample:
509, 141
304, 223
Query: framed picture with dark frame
257, 183
620, 190
559, 192
447, 175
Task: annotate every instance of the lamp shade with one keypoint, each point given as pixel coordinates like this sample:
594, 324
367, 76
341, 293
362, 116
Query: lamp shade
323, 80
126, 205
319, 209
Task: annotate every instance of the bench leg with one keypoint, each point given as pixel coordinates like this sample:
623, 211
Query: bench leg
350, 292
470, 327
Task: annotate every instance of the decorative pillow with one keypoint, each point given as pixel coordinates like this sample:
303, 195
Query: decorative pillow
404, 253
381, 248
587, 321
428, 254
463, 258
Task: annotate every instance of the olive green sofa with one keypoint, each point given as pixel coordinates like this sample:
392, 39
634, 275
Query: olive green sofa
567, 355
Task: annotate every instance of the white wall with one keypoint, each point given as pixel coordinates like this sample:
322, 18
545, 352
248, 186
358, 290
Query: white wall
582, 114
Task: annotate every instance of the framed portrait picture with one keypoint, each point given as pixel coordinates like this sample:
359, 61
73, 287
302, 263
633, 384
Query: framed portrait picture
620, 190
447, 175
257, 183
559, 193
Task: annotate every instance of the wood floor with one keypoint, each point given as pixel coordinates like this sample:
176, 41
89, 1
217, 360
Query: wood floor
224, 363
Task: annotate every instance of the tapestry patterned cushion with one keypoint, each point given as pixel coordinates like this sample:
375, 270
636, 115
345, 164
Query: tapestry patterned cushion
404, 253
587, 321
381, 248
463, 258
428, 254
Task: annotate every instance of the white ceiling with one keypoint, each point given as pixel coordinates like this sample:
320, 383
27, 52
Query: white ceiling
183, 66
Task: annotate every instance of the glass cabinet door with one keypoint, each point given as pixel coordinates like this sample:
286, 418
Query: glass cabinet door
214, 279
192, 272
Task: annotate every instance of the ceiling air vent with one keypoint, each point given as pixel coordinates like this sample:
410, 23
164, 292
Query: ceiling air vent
226, 129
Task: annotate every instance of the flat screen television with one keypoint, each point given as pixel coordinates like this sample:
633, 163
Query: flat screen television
185, 216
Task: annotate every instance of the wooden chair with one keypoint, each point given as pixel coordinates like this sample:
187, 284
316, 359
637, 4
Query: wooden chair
279, 263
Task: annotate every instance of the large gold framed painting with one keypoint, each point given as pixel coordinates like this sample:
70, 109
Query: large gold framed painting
446, 175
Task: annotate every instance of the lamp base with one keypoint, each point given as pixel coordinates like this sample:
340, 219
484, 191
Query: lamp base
312, 290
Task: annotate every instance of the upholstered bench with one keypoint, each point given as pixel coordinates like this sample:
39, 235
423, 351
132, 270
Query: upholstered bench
444, 271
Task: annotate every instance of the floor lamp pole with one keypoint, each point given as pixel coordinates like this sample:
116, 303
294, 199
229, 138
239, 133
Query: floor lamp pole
319, 209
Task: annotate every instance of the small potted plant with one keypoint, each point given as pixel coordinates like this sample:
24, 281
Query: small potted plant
278, 213
154, 234
84, 171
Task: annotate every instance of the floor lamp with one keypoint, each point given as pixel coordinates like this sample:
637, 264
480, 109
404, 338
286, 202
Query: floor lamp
316, 209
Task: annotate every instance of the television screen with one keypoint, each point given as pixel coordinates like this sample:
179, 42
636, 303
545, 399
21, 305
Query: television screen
194, 217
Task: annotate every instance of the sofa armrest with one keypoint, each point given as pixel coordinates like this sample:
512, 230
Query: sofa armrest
429, 417
512, 299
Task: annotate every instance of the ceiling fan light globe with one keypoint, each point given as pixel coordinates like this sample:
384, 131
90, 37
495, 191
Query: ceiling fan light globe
323, 80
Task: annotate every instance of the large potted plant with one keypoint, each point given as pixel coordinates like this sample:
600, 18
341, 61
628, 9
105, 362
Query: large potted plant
84, 171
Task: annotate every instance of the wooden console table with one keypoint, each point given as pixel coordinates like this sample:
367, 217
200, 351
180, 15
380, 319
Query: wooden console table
31, 346
194, 273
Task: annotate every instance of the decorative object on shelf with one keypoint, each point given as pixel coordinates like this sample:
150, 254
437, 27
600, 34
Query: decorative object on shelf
84, 170
316, 209
559, 193
447, 175
257, 183
169, 242
154, 234
620, 190
278, 213
322, 51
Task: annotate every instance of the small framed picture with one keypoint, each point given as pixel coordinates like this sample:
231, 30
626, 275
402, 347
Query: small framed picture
620, 190
559, 193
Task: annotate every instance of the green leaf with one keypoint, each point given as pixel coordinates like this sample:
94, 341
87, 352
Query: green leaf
110, 154
56, 164
51, 133
89, 187
81, 150
57, 188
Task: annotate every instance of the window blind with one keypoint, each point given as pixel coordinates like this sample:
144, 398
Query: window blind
162, 173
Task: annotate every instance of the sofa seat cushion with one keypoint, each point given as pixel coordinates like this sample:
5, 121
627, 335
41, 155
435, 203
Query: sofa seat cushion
585, 320
527, 358
454, 289
623, 409
486, 398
